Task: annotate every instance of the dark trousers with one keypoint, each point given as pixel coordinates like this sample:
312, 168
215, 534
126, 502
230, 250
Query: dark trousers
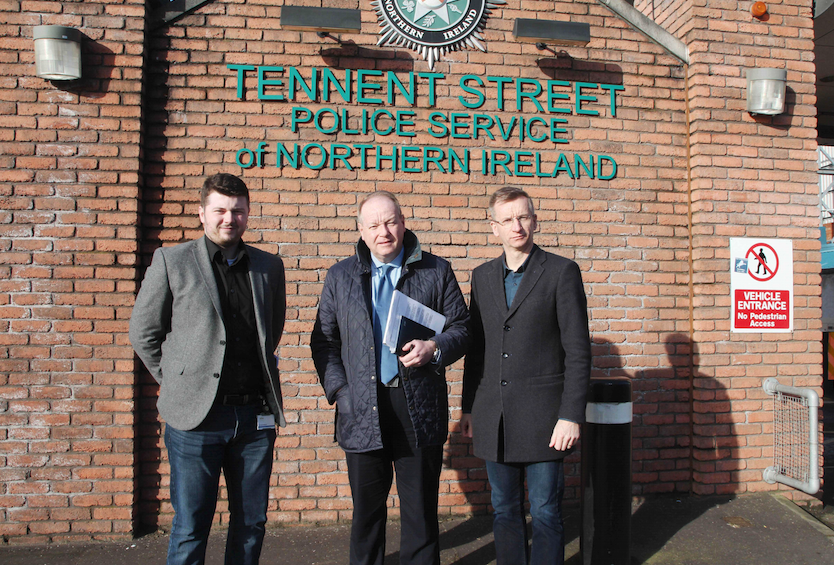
418, 481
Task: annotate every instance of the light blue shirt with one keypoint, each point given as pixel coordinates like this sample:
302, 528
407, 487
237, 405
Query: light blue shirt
394, 273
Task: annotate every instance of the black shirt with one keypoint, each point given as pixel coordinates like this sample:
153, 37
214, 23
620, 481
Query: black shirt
242, 372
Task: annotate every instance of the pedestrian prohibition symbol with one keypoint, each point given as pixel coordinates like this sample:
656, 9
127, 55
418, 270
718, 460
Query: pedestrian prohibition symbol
766, 262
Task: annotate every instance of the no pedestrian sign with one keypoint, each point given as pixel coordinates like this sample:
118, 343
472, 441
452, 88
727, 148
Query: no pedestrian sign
761, 285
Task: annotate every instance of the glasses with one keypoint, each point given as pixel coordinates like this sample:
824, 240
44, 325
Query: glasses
524, 220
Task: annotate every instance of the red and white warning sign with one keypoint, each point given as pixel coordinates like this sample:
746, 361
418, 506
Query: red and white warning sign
761, 284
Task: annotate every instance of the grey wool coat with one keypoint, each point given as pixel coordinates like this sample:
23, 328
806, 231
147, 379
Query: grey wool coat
529, 364
177, 329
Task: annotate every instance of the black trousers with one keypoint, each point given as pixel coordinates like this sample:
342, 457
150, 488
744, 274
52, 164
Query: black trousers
418, 481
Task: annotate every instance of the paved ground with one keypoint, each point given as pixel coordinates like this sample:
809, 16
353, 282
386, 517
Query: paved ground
755, 530
750, 530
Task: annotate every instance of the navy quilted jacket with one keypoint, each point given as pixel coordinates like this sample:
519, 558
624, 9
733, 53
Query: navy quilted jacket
342, 345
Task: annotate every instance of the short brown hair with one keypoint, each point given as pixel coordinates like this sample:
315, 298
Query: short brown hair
509, 194
225, 184
382, 193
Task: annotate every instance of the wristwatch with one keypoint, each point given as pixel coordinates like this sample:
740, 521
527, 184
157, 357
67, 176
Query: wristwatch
437, 355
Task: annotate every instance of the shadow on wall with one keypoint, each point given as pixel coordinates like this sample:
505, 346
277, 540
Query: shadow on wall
349, 55
151, 467
562, 66
683, 437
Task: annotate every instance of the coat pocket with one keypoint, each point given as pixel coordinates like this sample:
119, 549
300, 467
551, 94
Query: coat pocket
171, 367
556, 379
544, 395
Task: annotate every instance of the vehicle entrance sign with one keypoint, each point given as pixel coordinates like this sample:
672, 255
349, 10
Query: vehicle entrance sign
761, 285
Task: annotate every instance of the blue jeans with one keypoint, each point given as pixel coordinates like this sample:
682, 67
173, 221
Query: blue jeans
229, 440
545, 486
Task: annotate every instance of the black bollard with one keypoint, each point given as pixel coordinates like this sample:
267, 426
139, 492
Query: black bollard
606, 474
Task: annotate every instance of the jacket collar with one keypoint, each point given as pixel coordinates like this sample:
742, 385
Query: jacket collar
213, 249
533, 272
413, 252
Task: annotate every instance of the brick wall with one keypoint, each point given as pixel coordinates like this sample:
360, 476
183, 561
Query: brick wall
69, 173
72, 205
751, 177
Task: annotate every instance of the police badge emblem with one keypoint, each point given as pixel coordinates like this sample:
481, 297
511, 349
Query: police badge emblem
433, 27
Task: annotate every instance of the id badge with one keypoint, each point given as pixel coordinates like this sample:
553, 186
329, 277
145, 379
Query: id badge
266, 421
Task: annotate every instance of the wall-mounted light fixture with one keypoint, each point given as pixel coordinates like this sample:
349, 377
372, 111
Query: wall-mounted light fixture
550, 32
766, 91
57, 52
321, 20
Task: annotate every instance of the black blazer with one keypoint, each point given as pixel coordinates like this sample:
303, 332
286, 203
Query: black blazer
529, 363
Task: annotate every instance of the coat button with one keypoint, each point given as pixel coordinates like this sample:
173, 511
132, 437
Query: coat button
216, 375
505, 355
222, 342
504, 383
506, 328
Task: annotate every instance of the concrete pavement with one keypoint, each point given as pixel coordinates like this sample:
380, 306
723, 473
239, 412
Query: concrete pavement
756, 529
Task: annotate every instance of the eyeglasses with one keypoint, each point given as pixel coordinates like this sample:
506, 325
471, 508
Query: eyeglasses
524, 220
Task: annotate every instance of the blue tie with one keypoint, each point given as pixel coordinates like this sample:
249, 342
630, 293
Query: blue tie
386, 361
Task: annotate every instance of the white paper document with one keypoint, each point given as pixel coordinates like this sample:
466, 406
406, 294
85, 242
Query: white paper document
402, 305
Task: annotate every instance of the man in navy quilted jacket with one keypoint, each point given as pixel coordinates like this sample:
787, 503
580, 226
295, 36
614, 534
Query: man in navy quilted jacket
392, 411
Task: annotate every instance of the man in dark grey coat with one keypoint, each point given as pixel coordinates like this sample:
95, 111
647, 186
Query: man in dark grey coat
391, 413
525, 379
206, 323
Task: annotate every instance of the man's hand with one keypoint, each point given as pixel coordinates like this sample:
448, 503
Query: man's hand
565, 435
419, 353
466, 425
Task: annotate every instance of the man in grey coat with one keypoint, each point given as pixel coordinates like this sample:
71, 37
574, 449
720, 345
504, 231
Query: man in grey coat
525, 379
206, 323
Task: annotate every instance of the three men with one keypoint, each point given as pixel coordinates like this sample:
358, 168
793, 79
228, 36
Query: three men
210, 314
525, 379
206, 323
390, 412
